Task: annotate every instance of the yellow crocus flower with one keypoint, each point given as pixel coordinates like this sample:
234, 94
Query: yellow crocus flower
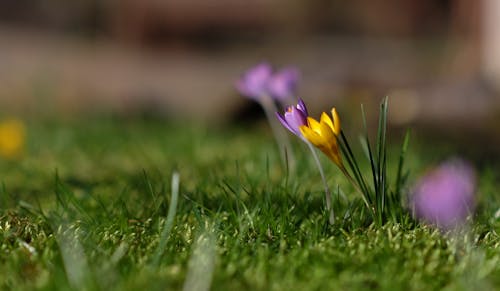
323, 135
12, 138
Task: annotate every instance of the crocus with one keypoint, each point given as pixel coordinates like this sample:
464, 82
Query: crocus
283, 84
323, 135
254, 82
294, 117
445, 196
12, 138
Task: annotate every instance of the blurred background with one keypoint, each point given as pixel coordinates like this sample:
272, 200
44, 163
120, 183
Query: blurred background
438, 60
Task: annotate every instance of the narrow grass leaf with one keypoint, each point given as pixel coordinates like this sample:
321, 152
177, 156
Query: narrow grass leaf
73, 255
399, 174
381, 160
169, 222
201, 264
370, 153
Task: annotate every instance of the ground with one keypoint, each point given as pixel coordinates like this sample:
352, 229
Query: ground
90, 205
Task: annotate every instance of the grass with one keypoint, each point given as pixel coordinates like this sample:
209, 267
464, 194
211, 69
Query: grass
91, 206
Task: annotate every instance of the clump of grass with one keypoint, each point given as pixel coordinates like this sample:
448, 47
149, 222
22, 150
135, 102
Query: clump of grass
383, 201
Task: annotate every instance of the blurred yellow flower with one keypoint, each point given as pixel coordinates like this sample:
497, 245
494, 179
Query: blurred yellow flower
323, 135
12, 138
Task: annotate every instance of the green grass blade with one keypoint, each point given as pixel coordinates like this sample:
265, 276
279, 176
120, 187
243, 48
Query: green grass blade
370, 154
399, 178
73, 256
381, 159
169, 222
346, 149
201, 265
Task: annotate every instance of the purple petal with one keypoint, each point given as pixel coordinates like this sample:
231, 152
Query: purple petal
242, 87
302, 107
253, 82
295, 119
284, 122
445, 196
283, 84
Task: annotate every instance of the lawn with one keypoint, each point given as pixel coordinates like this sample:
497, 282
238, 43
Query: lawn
93, 205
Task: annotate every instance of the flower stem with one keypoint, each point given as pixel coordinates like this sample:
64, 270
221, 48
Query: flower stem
328, 196
281, 137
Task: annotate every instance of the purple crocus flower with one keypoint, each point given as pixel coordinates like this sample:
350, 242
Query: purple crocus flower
254, 81
294, 118
283, 84
445, 196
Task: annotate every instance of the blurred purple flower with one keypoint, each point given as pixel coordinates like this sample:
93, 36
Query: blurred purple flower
283, 84
260, 81
294, 118
254, 81
445, 196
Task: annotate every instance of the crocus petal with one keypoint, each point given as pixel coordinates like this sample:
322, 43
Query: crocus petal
244, 89
302, 107
253, 83
322, 135
284, 122
314, 125
327, 120
295, 118
311, 135
445, 196
336, 121
324, 139
331, 146
12, 138
283, 84
292, 122
327, 133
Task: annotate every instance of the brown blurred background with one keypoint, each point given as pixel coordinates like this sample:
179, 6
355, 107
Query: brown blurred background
438, 60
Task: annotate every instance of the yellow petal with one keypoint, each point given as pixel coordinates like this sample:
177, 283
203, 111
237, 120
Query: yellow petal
326, 119
323, 135
12, 138
336, 121
329, 144
312, 136
327, 134
313, 124
334, 155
